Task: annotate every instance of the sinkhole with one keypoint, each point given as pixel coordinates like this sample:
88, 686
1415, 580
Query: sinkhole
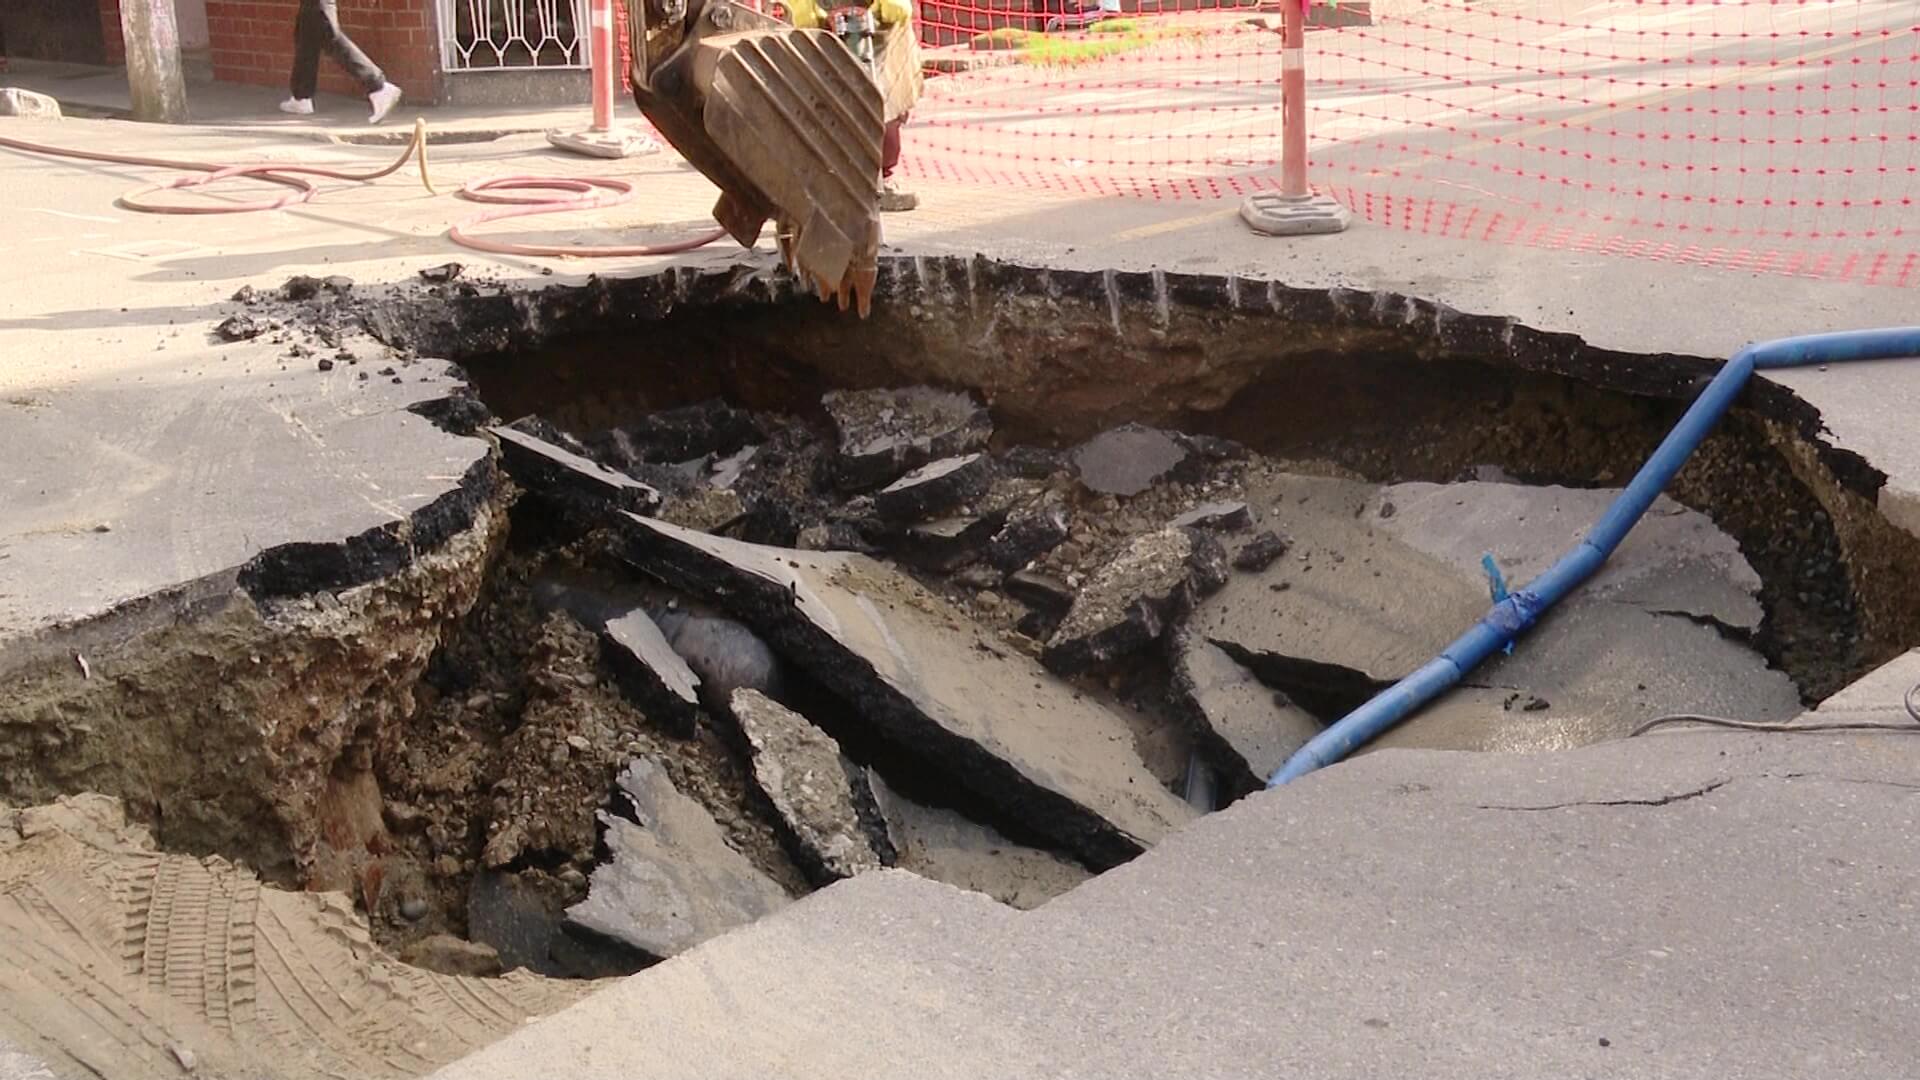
998, 586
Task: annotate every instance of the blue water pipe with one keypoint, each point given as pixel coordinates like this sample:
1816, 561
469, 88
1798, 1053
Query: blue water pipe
1514, 616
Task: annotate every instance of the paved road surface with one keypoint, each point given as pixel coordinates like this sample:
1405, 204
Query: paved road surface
1732, 133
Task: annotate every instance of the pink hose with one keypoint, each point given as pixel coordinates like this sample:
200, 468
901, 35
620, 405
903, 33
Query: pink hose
272, 172
589, 193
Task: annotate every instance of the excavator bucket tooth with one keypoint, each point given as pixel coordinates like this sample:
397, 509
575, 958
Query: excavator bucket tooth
783, 237
787, 123
864, 280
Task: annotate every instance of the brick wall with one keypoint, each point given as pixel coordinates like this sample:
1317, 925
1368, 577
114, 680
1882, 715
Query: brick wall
253, 42
115, 42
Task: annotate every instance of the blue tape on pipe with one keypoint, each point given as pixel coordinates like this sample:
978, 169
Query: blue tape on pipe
1496, 586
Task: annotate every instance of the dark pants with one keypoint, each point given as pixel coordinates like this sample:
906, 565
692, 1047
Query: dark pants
890, 144
316, 30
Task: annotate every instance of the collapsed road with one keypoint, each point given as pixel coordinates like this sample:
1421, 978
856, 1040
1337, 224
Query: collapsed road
650, 681
726, 657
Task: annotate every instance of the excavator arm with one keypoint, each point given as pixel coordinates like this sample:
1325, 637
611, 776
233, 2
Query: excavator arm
785, 122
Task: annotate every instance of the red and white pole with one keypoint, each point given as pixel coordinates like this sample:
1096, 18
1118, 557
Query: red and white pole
1294, 210
603, 139
1293, 97
602, 43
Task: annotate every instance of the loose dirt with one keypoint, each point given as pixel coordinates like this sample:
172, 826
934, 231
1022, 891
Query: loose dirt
118, 961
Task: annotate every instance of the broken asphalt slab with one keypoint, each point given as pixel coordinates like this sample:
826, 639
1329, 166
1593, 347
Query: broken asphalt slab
933, 685
120, 491
1379, 581
946, 845
672, 436
815, 791
651, 673
1132, 600
1127, 460
1507, 901
1675, 559
672, 881
935, 487
573, 484
1249, 728
884, 433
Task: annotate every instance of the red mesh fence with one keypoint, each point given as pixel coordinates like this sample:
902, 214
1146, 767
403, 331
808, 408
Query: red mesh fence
1765, 136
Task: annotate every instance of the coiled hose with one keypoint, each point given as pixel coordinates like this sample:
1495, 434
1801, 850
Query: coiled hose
580, 194
285, 174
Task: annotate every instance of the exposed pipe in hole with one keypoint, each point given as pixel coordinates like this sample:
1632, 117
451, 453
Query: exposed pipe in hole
1514, 616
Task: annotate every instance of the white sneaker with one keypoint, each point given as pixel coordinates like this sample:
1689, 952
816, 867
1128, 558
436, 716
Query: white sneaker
298, 106
384, 99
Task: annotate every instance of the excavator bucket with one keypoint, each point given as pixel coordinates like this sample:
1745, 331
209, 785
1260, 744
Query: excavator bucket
787, 123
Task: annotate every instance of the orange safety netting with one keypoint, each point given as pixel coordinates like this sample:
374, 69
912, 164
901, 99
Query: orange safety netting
1763, 136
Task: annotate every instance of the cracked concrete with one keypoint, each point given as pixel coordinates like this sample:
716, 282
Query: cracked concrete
1698, 912
1657, 800
1378, 581
1363, 923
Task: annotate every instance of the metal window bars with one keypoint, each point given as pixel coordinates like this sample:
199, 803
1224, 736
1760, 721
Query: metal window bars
493, 35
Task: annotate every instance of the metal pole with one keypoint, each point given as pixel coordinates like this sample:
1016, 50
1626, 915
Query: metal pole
1294, 210
602, 138
603, 64
154, 80
1293, 98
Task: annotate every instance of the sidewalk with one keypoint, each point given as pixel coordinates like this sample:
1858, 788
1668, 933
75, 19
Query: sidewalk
88, 91
1607, 911
99, 300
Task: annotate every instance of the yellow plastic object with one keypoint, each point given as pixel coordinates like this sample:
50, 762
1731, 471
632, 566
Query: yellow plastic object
891, 12
806, 14
420, 145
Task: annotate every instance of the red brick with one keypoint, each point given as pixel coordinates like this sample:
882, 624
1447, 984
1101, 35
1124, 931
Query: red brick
115, 41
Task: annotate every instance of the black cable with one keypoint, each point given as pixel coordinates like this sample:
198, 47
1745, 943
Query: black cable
1911, 700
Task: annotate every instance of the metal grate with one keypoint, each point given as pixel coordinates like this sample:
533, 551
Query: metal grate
490, 35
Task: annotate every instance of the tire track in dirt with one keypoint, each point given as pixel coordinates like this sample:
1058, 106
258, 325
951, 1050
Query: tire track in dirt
116, 961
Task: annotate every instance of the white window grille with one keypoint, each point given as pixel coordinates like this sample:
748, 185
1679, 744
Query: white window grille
490, 35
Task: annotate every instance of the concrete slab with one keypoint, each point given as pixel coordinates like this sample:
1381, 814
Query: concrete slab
1379, 581
188, 464
672, 880
1254, 728
931, 684
1420, 913
899, 951
1880, 694
947, 846
815, 791
81, 260
1673, 560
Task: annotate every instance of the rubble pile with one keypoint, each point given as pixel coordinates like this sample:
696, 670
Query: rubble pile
736, 656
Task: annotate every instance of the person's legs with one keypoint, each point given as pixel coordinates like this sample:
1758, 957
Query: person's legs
339, 46
892, 199
307, 42
316, 29
890, 145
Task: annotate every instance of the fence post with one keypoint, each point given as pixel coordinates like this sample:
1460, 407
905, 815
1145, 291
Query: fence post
603, 64
1296, 210
602, 139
